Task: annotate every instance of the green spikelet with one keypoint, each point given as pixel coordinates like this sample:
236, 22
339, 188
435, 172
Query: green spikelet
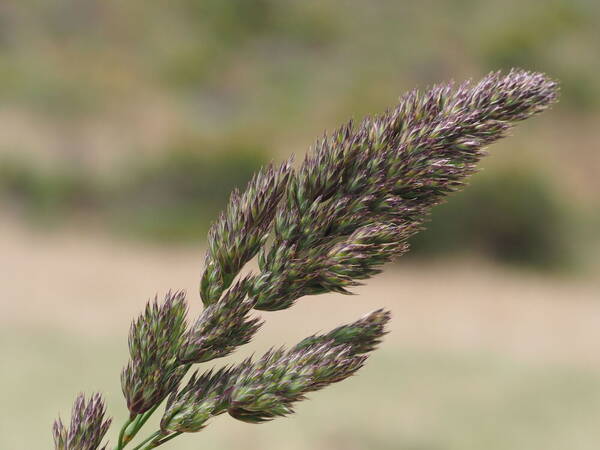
155, 340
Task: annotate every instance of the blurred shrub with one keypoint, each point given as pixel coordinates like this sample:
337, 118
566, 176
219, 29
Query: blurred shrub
46, 195
510, 215
174, 197
523, 40
177, 196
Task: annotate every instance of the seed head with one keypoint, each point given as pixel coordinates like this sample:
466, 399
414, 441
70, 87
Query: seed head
351, 207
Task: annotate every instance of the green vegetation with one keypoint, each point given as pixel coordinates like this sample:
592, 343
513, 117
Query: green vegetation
512, 214
240, 77
171, 198
178, 195
44, 195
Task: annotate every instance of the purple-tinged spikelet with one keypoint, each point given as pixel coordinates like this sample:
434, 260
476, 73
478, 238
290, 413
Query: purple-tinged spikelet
365, 189
203, 397
269, 388
221, 327
155, 340
262, 390
363, 336
241, 230
87, 428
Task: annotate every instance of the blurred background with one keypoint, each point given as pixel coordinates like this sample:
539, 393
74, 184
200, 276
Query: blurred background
125, 125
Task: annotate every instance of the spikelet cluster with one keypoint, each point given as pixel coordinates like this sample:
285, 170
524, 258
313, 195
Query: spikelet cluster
241, 230
87, 428
257, 391
349, 208
366, 188
155, 340
221, 327
362, 336
162, 345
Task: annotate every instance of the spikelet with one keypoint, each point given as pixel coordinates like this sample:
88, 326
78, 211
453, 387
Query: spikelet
241, 230
221, 327
155, 340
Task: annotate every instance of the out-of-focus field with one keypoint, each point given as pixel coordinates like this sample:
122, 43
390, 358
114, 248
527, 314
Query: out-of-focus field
477, 357
142, 117
125, 125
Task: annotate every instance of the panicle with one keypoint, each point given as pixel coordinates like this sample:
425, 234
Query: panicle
87, 428
155, 340
351, 207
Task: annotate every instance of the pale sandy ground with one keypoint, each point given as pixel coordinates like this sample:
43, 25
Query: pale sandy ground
478, 356
88, 285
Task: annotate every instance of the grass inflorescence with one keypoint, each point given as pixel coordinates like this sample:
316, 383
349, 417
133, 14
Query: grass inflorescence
349, 208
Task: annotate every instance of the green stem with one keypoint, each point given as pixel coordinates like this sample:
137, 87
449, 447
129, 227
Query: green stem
136, 423
152, 437
139, 423
156, 439
132, 426
120, 443
168, 438
131, 429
